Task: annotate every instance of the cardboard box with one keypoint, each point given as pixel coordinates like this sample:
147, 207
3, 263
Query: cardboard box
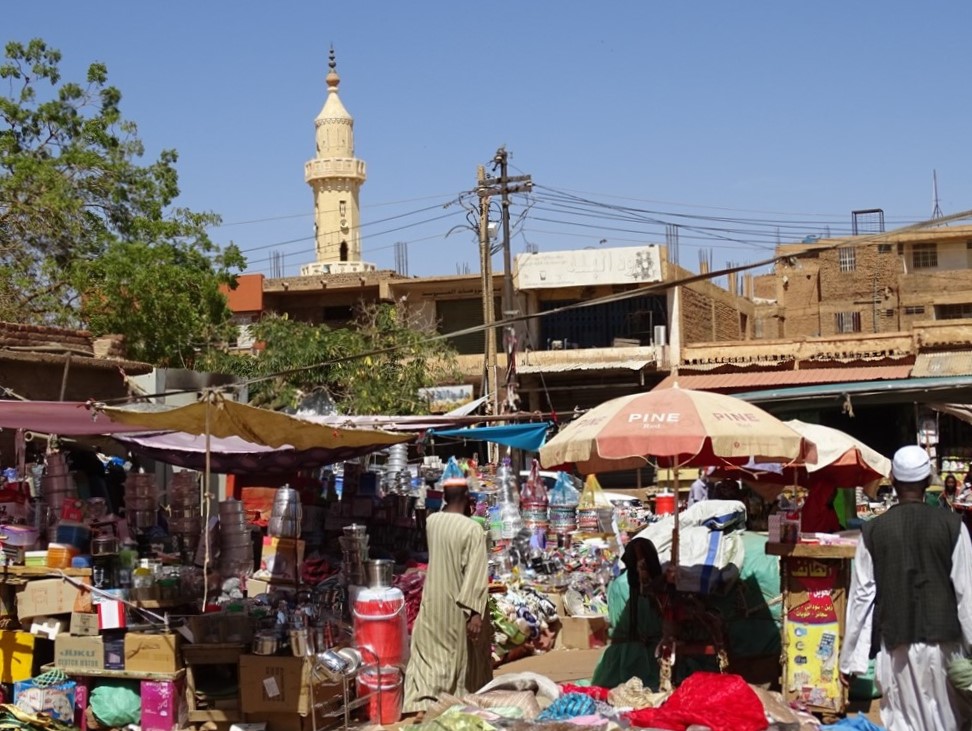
279, 685
561, 666
146, 653
582, 633
274, 684
84, 624
79, 653
56, 701
220, 627
46, 597
17, 653
282, 557
164, 706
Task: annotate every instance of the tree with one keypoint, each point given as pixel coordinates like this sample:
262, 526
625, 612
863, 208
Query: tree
75, 202
375, 366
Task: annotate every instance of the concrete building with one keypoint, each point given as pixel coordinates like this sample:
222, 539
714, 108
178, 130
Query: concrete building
889, 285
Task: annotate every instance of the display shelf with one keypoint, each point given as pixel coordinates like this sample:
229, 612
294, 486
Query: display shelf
215, 715
116, 674
810, 550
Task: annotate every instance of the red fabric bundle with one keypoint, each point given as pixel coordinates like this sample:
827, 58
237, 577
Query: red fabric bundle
598, 694
721, 702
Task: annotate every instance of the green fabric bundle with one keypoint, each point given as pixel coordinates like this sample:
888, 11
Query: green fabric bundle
117, 703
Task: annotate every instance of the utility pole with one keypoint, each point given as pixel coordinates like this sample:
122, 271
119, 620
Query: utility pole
503, 186
486, 270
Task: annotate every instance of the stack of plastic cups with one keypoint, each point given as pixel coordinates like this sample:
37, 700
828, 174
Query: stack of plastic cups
536, 519
185, 520
587, 520
563, 522
141, 502
354, 547
57, 484
235, 542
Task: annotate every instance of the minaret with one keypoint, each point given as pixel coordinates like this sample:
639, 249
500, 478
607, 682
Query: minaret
336, 176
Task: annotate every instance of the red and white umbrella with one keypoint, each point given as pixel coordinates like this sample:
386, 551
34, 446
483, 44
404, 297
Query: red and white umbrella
677, 428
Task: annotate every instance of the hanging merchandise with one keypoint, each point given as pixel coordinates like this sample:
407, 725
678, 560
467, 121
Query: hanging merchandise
594, 511
535, 505
564, 498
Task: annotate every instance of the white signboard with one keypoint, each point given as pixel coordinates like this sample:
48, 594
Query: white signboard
588, 267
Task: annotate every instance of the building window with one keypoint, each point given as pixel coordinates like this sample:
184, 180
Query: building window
901, 248
915, 310
848, 322
847, 257
924, 256
961, 311
884, 248
343, 208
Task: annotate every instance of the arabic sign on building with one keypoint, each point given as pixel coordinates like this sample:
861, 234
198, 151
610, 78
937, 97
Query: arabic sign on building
588, 267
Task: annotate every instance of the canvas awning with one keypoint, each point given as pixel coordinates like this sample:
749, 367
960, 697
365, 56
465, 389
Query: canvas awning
529, 437
526, 369
232, 455
919, 390
766, 379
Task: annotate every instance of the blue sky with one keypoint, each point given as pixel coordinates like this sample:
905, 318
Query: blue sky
781, 114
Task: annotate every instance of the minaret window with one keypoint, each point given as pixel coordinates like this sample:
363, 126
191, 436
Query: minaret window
343, 208
344, 251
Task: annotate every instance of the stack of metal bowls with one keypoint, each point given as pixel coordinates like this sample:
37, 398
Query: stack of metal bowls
235, 542
57, 484
395, 465
354, 546
141, 501
285, 515
185, 519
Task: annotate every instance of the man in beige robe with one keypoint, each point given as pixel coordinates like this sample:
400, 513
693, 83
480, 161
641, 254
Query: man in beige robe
451, 637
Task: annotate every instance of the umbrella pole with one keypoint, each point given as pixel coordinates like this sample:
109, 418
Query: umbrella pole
675, 531
206, 503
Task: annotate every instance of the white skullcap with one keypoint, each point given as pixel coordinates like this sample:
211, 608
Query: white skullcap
910, 464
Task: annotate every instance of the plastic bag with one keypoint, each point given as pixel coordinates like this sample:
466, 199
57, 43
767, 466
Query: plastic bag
721, 702
452, 471
534, 492
116, 703
593, 497
564, 492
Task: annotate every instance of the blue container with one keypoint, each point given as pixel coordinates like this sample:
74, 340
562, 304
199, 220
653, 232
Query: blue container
74, 534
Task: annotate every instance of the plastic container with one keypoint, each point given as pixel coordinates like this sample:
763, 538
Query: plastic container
383, 688
381, 626
59, 556
665, 503
18, 535
75, 534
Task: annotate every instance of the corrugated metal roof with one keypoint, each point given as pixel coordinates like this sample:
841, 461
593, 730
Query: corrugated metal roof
616, 365
766, 379
950, 363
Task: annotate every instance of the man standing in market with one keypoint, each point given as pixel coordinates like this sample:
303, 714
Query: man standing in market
910, 603
451, 638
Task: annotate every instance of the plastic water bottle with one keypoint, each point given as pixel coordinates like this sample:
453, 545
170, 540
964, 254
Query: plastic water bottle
507, 484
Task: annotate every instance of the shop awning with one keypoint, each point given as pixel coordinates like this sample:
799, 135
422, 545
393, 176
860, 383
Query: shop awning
232, 455
924, 390
602, 365
64, 418
529, 437
765, 379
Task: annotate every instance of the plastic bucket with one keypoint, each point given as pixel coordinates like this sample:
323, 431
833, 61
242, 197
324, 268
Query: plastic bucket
664, 503
380, 625
382, 686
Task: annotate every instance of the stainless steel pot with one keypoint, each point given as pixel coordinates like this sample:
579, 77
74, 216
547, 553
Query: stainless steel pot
264, 643
379, 573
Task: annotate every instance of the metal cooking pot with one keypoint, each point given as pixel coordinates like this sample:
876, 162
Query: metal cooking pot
264, 643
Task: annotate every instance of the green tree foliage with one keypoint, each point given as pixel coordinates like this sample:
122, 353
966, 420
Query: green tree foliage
78, 211
375, 366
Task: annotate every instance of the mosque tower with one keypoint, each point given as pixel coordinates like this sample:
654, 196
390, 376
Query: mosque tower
336, 176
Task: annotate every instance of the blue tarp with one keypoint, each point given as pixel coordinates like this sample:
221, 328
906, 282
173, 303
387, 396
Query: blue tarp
529, 437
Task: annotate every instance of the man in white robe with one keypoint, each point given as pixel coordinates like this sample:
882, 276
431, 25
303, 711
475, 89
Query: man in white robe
451, 637
911, 596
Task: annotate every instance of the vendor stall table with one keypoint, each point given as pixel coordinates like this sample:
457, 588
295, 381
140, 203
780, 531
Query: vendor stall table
115, 674
22, 574
815, 582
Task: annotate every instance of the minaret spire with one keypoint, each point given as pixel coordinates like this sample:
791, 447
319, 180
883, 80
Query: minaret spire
336, 177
